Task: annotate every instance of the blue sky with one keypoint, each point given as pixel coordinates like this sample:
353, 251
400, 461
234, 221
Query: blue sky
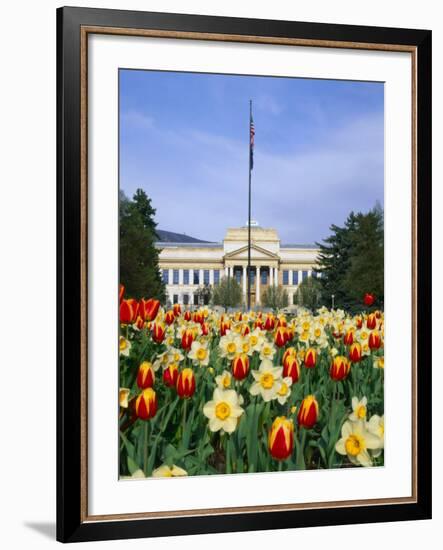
318, 150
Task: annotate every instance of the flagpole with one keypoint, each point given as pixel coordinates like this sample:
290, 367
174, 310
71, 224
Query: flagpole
248, 271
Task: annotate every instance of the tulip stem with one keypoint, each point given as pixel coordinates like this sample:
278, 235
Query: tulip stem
185, 401
280, 465
145, 447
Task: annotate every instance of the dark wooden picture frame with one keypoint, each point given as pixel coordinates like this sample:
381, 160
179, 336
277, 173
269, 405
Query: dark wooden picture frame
73, 27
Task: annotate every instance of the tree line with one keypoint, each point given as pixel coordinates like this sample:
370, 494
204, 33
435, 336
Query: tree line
350, 262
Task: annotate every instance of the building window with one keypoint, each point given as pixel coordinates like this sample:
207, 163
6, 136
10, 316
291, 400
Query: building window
295, 277
237, 275
285, 277
206, 276
264, 277
195, 299
186, 298
252, 278
304, 275
186, 276
175, 277
216, 276
165, 276
196, 276
175, 298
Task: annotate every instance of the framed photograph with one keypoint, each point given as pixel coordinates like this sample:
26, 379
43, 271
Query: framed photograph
244, 274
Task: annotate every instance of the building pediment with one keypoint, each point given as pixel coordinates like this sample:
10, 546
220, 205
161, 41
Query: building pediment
257, 253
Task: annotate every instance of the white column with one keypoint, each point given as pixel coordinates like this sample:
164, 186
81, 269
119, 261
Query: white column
244, 281
231, 271
290, 277
200, 277
180, 276
271, 276
257, 289
170, 274
191, 276
300, 276
226, 271
211, 277
309, 272
276, 276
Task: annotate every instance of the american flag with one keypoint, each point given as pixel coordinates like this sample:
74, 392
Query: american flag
251, 142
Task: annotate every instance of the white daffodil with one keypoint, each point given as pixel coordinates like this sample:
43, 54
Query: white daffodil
355, 442
267, 380
223, 380
123, 396
244, 345
169, 471
161, 361
175, 355
376, 425
284, 390
358, 409
223, 410
256, 339
267, 351
228, 345
124, 346
199, 353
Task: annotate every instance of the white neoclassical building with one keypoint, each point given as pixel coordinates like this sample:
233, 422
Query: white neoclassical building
187, 266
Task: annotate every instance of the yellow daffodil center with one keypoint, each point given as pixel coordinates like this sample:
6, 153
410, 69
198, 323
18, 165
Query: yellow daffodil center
381, 363
305, 326
266, 350
317, 332
253, 340
354, 445
123, 344
231, 347
226, 381
304, 336
201, 354
176, 357
222, 410
283, 389
267, 380
364, 335
361, 412
245, 347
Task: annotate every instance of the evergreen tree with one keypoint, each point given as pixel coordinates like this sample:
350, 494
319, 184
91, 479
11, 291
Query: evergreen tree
334, 261
139, 271
351, 261
366, 273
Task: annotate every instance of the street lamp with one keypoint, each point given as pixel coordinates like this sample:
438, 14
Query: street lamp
332, 297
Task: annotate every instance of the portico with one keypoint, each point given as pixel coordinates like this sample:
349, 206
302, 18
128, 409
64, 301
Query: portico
186, 267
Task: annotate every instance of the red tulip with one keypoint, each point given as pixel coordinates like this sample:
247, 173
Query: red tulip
308, 413
145, 376
149, 309
240, 366
176, 308
291, 368
128, 311
348, 338
187, 315
170, 375
355, 352
169, 317
368, 299
187, 339
146, 404
374, 341
281, 438
310, 358
340, 368
371, 321
280, 338
186, 383
224, 327
269, 322
158, 332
